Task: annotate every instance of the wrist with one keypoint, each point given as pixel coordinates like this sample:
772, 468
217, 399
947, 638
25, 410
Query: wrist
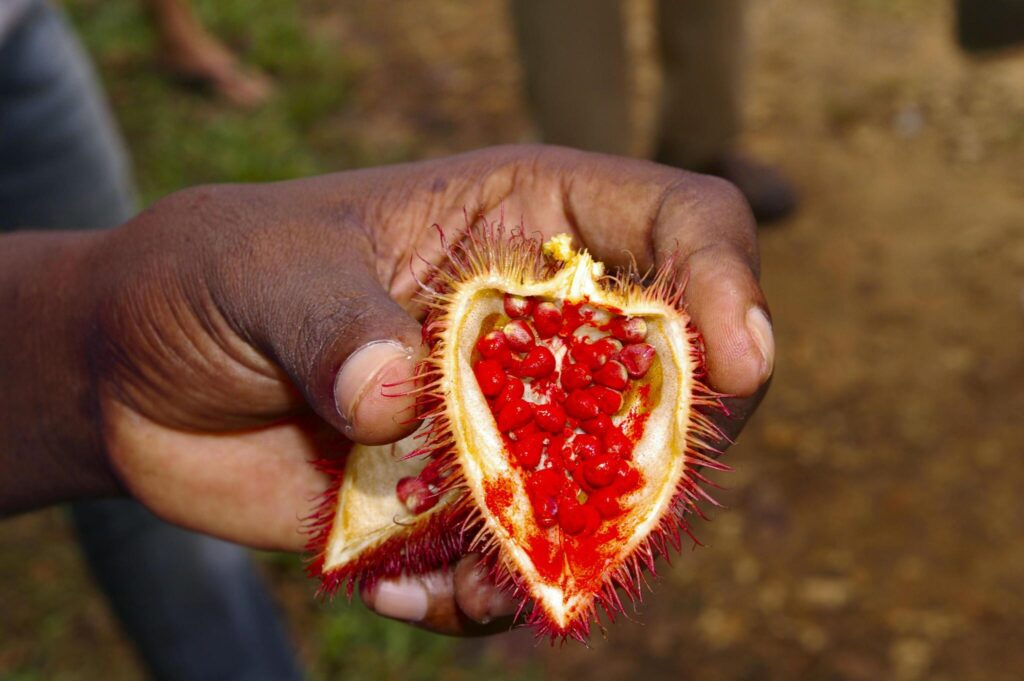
50, 439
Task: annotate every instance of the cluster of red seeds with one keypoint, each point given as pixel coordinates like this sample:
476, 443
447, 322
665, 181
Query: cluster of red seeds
554, 376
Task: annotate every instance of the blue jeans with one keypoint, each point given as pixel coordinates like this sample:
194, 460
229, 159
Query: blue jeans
194, 606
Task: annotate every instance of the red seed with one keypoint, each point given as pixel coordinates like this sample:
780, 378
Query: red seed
575, 376
627, 478
550, 417
556, 444
516, 414
493, 345
519, 335
548, 319
597, 425
608, 346
528, 450
546, 513
513, 365
572, 518
610, 401
617, 444
543, 488
605, 502
513, 390
613, 375
591, 355
586, 446
583, 516
600, 471
637, 359
538, 363
559, 453
415, 494
581, 480
434, 471
580, 404
546, 481
525, 431
629, 329
490, 376
517, 306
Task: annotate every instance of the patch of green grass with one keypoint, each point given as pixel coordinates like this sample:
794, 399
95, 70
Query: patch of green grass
359, 645
180, 137
24, 675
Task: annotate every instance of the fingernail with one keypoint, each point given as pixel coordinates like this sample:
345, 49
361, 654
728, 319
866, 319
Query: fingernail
760, 329
401, 599
498, 604
501, 604
359, 373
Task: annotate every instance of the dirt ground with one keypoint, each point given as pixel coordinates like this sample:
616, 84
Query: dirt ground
875, 520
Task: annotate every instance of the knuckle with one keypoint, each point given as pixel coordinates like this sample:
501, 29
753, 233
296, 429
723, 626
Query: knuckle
724, 199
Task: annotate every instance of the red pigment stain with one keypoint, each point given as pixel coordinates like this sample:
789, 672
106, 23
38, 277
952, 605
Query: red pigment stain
636, 420
546, 556
587, 556
498, 496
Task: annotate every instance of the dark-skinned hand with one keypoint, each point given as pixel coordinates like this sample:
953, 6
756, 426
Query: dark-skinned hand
200, 356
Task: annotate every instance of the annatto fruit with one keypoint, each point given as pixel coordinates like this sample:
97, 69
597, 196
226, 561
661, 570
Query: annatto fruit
564, 431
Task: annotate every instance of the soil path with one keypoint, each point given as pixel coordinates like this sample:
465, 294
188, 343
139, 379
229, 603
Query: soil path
875, 526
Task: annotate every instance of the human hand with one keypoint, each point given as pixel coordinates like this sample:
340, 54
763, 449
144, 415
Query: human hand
239, 332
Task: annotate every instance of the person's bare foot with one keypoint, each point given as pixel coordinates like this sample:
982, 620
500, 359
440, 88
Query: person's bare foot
203, 61
190, 53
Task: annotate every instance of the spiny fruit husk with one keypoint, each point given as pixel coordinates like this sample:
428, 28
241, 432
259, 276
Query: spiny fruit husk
564, 432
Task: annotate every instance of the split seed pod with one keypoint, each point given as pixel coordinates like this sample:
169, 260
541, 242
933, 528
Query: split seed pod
565, 426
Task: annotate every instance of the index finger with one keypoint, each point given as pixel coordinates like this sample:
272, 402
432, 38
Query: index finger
705, 228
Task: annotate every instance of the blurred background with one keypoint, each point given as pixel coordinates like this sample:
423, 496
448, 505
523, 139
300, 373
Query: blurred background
874, 526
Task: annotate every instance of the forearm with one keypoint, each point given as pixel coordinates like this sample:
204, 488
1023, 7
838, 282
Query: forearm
50, 444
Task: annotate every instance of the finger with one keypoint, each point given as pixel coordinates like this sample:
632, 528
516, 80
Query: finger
345, 343
649, 212
726, 305
711, 233
716, 256
459, 602
476, 594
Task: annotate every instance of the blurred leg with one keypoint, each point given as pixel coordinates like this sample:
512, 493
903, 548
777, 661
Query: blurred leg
702, 47
193, 605
62, 163
702, 44
574, 59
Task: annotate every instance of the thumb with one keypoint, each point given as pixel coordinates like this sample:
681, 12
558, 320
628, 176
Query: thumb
348, 347
373, 391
